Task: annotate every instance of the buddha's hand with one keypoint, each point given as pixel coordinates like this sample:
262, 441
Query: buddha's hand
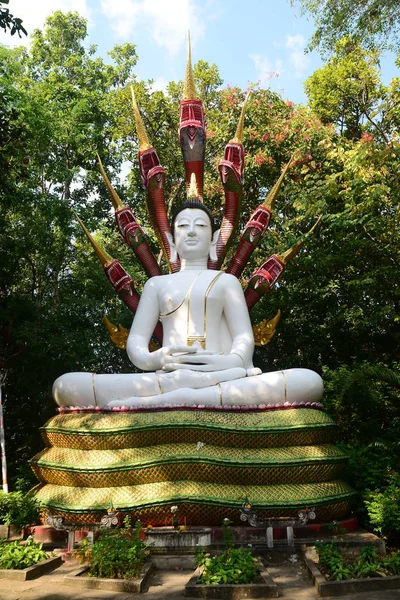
201, 360
161, 358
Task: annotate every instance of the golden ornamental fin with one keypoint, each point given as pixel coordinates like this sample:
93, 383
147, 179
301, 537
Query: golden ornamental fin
115, 199
294, 250
265, 331
104, 258
238, 139
314, 227
144, 143
193, 192
270, 199
118, 335
189, 87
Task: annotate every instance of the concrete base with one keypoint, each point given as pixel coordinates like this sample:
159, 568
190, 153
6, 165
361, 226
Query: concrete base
10, 532
138, 585
349, 586
31, 572
175, 540
173, 562
48, 535
265, 588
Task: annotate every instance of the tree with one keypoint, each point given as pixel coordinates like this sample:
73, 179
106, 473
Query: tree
8, 21
373, 23
57, 110
347, 91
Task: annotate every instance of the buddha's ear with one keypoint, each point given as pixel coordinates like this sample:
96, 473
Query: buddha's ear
173, 254
213, 246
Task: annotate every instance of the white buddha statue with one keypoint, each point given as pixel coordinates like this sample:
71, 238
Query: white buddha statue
208, 343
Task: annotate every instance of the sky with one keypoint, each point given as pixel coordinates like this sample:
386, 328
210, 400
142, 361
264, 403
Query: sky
250, 40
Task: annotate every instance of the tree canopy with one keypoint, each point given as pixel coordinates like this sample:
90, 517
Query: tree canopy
375, 23
10, 23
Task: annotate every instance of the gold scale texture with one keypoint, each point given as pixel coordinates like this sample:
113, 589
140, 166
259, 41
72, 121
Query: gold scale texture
207, 462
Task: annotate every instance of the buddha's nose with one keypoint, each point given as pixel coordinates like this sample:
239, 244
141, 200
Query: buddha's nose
192, 231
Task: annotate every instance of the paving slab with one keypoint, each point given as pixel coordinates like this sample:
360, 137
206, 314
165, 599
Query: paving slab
290, 574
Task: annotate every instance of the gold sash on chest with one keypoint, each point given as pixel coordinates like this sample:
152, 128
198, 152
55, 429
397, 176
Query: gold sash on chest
197, 304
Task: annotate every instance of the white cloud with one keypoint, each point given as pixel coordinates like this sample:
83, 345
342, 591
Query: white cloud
34, 14
298, 60
264, 68
125, 169
159, 84
167, 21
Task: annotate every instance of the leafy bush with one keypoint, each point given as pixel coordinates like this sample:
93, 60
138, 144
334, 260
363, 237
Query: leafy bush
14, 555
18, 509
234, 565
335, 566
117, 554
364, 401
384, 509
331, 560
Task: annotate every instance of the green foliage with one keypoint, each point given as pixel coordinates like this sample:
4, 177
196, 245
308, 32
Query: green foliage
227, 534
330, 559
233, 565
337, 566
392, 562
236, 565
364, 401
346, 91
384, 509
9, 22
374, 417
376, 22
117, 554
15, 555
18, 509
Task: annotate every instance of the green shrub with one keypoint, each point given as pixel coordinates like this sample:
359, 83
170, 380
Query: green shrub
384, 509
117, 554
14, 555
234, 565
18, 509
368, 564
331, 560
392, 563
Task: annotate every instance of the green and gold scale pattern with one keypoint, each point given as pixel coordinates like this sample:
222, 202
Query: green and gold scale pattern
205, 462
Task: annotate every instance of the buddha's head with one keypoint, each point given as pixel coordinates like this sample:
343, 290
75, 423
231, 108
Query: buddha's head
193, 231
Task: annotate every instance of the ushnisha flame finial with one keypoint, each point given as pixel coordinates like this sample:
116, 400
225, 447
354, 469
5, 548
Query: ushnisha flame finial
189, 88
193, 192
103, 257
144, 143
238, 139
270, 199
115, 199
294, 250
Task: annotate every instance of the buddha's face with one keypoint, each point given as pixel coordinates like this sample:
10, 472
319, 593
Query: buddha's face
193, 233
